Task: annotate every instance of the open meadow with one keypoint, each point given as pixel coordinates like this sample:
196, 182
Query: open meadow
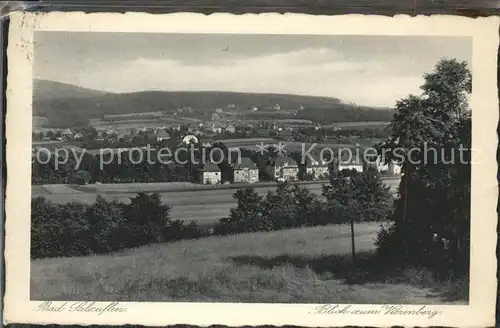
189, 201
360, 125
298, 265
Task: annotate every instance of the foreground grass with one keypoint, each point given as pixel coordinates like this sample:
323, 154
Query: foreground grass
299, 265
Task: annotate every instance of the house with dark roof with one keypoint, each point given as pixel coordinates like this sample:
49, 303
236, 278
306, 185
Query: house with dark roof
149, 135
217, 127
194, 128
246, 171
209, 174
79, 136
318, 168
67, 134
162, 135
283, 168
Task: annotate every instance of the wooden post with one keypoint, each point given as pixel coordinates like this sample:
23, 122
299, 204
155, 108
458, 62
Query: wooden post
353, 249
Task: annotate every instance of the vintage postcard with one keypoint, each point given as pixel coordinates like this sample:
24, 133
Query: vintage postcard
249, 170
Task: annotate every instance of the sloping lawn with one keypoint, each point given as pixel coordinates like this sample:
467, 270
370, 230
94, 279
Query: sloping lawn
308, 265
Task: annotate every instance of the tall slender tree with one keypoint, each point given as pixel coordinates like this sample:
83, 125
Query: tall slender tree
431, 140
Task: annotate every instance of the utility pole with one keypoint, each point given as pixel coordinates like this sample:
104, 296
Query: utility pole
353, 246
353, 249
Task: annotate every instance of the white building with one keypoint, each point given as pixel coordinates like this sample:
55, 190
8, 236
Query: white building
284, 168
394, 168
217, 128
318, 169
67, 133
190, 139
78, 136
162, 135
384, 167
350, 162
246, 171
210, 174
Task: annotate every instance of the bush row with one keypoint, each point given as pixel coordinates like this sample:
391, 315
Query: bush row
75, 229
357, 197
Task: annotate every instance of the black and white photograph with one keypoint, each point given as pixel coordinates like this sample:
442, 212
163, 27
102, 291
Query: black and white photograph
334, 170
132, 135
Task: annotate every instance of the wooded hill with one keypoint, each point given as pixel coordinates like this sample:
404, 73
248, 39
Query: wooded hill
68, 105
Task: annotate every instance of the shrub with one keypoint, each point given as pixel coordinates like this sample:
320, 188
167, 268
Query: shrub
76, 229
289, 207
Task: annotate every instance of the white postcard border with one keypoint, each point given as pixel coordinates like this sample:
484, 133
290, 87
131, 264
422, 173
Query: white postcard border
484, 100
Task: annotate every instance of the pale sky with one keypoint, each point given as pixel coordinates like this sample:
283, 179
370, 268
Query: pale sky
367, 70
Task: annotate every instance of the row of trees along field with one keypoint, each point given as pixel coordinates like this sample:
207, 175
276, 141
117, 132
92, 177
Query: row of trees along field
76, 229
129, 168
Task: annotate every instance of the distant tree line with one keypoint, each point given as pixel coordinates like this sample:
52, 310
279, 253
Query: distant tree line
124, 168
128, 169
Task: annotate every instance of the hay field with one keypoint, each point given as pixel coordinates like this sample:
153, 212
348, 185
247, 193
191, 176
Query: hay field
299, 265
203, 204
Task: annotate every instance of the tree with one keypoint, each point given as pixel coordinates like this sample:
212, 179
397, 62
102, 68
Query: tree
246, 217
106, 226
147, 219
434, 203
289, 206
309, 208
361, 197
280, 207
57, 230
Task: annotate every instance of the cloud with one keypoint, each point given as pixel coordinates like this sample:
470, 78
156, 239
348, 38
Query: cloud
327, 74
366, 70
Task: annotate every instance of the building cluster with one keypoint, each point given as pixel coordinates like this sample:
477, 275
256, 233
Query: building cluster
285, 168
217, 121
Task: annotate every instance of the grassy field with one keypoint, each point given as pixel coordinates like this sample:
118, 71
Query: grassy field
249, 143
299, 265
196, 203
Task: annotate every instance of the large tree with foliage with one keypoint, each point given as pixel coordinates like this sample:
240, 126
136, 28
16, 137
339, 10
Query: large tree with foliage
279, 207
246, 217
289, 206
147, 219
105, 226
429, 135
359, 197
